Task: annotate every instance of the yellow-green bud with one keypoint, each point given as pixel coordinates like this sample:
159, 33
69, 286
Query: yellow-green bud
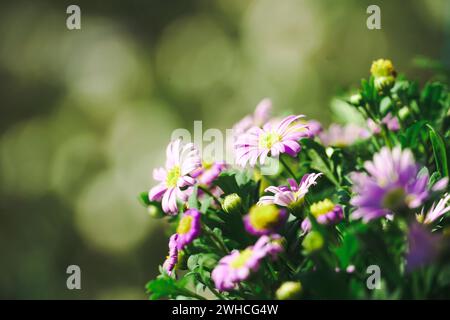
403, 113
232, 203
154, 212
355, 99
313, 242
384, 82
384, 73
289, 290
382, 68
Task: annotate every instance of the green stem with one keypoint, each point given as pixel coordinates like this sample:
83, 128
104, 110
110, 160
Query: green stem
288, 264
287, 168
205, 190
272, 271
219, 242
215, 292
189, 293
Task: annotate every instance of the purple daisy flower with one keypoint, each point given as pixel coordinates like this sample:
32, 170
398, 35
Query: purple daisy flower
258, 118
315, 128
291, 196
264, 219
390, 121
273, 139
342, 136
188, 228
423, 247
172, 258
182, 160
436, 211
208, 172
392, 183
238, 265
325, 212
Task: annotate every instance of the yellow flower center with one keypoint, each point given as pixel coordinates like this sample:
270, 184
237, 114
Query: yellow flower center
268, 139
172, 176
394, 199
241, 259
264, 217
321, 207
184, 225
382, 68
207, 164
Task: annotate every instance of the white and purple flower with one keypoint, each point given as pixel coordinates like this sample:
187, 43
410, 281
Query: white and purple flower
172, 258
391, 122
423, 247
273, 139
314, 128
175, 178
342, 136
238, 265
436, 211
392, 183
291, 196
258, 118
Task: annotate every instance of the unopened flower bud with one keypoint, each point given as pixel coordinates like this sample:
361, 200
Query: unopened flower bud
154, 211
289, 290
384, 74
404, 113
232, 203
313, 241
355, 99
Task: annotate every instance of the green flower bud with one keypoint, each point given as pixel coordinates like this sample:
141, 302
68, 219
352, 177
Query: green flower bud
355, 99
313, 242
403, 113
382, 83
154, 211
232, 203
289, 290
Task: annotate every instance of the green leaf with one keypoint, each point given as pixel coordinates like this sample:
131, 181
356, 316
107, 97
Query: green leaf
192, 201
319, 159
439, 151
410, 139
349, 248
164, 287
143, 199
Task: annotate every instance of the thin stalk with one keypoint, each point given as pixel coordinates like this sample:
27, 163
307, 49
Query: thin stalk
288, 169
219, 242
205, 190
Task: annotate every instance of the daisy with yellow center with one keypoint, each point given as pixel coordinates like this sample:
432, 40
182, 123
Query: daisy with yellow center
273, 139
175, 180
188, 228
291, 196
325, 212
264, 219
238, 265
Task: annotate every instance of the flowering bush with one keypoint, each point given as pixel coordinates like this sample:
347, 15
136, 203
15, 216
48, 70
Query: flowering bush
352, 212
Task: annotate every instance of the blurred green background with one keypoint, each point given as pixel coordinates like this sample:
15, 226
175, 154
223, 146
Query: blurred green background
86, 114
